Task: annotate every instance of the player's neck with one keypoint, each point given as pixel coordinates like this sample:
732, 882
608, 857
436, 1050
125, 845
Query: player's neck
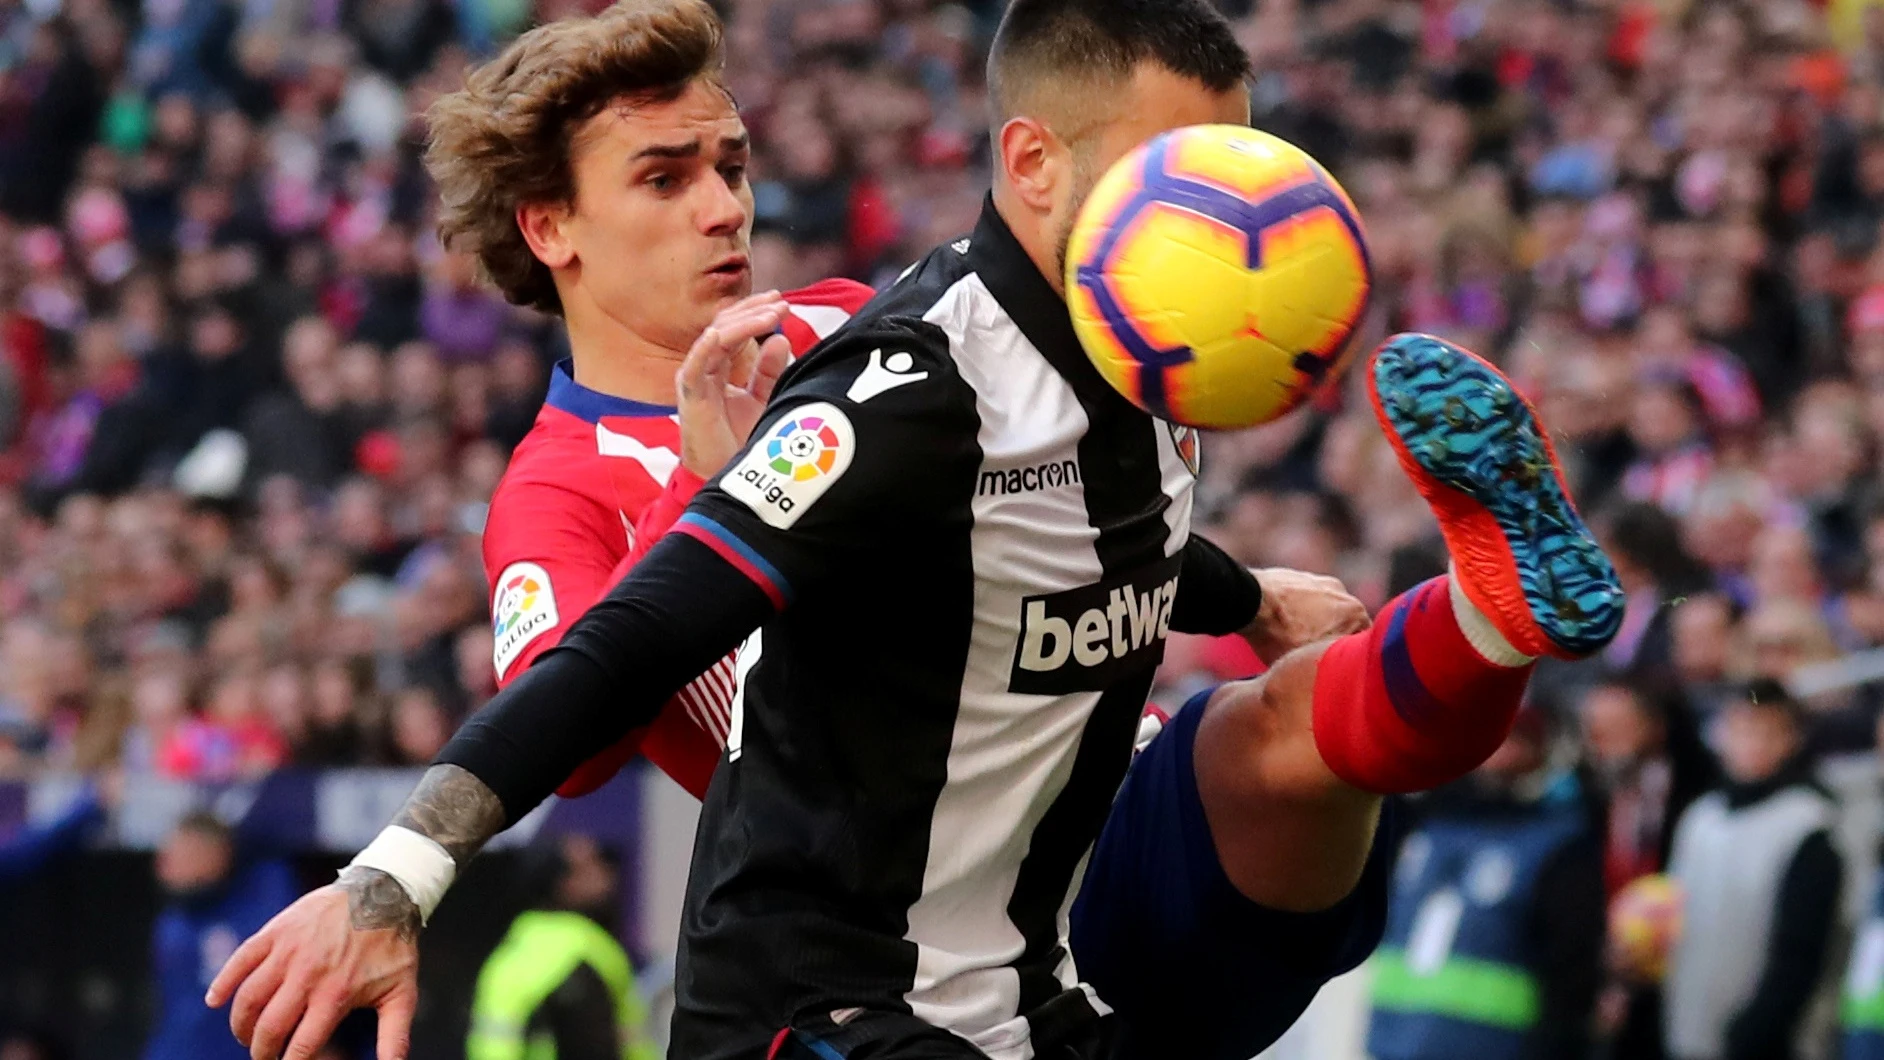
615, 361
1027, 231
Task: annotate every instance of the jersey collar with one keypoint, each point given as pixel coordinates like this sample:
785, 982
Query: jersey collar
1015, 281
591, 405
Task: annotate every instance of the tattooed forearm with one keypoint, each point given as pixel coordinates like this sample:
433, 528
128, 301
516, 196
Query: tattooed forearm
452, 808
375, 900
455, 810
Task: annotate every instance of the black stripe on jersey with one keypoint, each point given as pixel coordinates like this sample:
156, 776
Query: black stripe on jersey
904, 628
1125, 502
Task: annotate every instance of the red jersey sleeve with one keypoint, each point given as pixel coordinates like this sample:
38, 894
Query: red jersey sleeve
544, 552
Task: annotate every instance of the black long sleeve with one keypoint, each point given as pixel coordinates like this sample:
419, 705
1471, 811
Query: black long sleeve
1216, 594
1569, 927
1804, 911
580, 1017
736, 559
680, 610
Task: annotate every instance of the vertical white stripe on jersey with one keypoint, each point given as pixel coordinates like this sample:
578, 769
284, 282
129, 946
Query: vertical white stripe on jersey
1069, 975
1011, 754
1178, 485
749, 653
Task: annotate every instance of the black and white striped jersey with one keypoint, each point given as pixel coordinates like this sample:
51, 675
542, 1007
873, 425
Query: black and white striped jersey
962, 553
974, 548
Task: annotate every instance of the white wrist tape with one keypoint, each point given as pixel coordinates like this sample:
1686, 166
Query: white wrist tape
422, 868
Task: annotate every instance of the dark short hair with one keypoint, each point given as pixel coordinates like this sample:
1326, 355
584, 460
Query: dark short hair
1768, 694
1109, 39
1659, 696
1649, 537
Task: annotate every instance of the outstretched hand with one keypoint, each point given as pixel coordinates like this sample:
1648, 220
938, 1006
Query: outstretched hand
339, 948
727, 378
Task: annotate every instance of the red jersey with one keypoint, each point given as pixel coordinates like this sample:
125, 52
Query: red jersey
589, 489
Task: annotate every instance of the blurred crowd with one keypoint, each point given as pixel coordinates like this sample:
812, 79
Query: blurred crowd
251, 412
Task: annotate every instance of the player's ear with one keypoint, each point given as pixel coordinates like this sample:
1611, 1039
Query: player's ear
545, 228
1032, 160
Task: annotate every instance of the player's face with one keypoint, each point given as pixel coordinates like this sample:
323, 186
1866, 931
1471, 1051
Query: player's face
662, 223
1157, 100
1755, 742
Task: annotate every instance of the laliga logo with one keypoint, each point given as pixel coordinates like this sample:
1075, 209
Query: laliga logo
799, 451
790, 469
803, 449
514, 601
523, 609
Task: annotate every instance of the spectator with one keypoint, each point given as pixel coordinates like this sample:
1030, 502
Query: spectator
559, 976
303, 431
339, 702
420, 727
461, 319
92, 440
1666, 423
232, 739
1649, 764
30, 849
1703, 631
213, 901
222, 378
1861, 1016
1504, 875
1760, 880
1645, 544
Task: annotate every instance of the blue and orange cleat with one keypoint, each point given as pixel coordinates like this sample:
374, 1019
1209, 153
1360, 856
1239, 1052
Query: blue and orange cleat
1476, 451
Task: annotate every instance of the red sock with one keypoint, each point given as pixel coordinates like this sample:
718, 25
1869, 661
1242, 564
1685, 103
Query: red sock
1409, 704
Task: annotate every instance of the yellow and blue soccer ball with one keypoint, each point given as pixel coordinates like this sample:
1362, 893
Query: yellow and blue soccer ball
1216, 276
1645, 925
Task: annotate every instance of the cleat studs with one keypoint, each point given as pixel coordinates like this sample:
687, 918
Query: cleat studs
1455, 412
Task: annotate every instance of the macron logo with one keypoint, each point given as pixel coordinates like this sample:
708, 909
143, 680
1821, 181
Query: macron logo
884, 374
1051, 475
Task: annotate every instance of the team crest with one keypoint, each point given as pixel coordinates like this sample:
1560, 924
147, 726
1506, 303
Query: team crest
1186, 441
522, 609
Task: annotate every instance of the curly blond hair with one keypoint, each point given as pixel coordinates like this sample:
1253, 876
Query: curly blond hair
504, 139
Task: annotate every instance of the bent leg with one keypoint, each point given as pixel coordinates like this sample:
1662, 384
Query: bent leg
1192, 966
1290, 766
1289, 834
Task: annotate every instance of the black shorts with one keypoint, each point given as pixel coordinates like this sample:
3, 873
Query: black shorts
1188, 969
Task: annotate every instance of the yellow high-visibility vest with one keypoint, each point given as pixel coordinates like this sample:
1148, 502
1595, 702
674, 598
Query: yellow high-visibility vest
541, 950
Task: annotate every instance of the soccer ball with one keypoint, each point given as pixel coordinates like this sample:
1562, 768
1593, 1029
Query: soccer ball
1216, 275
1644, 922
